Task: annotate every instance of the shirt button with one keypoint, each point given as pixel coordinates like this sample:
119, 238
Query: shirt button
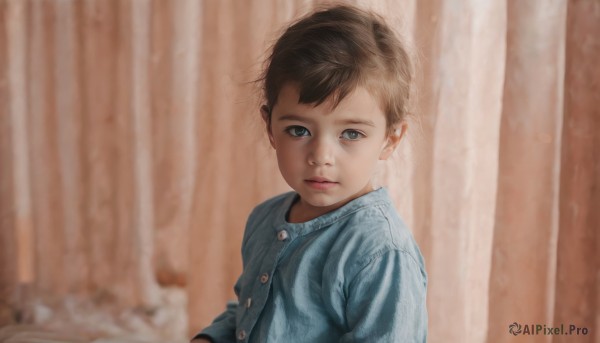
248, 302
241, 335
282, 235
264, 278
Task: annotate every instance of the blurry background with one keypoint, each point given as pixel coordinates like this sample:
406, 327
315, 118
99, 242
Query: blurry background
131, 153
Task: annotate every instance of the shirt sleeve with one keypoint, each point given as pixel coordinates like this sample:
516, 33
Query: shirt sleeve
387, 301
222, 329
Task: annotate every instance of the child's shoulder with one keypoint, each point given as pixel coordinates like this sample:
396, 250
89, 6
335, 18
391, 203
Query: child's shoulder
272, 206
267, 214
375, 230
274, 202
380, 222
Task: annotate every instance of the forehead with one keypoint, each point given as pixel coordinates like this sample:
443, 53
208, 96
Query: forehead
358, 104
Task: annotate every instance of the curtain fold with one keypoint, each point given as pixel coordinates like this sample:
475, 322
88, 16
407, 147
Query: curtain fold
132, 152
530, 144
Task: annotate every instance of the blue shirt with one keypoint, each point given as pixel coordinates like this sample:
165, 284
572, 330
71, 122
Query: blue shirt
351, 275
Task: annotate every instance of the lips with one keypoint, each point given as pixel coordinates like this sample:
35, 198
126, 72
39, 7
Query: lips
319, 179
320, 183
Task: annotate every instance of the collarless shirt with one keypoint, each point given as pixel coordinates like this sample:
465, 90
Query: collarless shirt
354, 274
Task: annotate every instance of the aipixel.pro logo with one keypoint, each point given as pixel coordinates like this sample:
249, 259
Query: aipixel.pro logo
514, 328
542, 329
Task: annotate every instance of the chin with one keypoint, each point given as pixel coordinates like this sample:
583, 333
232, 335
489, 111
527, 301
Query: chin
319, 200
320, 203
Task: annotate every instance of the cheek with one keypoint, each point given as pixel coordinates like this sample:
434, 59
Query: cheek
362, 160
289, 156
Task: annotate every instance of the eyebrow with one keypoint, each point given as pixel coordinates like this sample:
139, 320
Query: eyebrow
356, 122
295, 117
343, 121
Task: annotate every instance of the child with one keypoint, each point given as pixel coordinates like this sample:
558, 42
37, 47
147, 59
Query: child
332, 261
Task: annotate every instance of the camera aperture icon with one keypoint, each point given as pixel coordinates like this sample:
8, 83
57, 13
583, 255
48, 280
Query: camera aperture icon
514, 328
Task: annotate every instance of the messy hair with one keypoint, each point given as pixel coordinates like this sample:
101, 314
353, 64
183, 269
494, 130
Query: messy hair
331, 51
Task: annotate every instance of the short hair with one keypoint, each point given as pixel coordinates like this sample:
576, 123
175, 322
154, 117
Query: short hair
332, 51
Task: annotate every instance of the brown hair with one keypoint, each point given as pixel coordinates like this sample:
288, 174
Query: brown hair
332, 51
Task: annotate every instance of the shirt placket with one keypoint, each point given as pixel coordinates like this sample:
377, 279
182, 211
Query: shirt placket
254, 304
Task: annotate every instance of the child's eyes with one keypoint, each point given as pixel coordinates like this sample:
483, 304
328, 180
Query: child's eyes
352, 135
297, 131
300, 131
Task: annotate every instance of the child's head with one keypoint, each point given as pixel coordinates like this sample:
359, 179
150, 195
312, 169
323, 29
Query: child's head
330, 52
336, 87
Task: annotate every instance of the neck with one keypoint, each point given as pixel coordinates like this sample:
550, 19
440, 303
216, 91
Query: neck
302, 211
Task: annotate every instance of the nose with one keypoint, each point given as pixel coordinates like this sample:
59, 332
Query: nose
321, 152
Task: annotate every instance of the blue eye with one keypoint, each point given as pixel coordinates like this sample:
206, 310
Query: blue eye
297, 131
352, 135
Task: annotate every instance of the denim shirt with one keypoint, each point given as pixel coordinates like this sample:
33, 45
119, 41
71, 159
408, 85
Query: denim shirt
351, 275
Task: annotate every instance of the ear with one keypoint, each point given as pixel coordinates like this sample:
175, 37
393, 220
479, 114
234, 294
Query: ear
266, 116
393, 140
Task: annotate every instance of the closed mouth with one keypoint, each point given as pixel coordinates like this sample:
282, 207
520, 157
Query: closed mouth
320, 180
320, 184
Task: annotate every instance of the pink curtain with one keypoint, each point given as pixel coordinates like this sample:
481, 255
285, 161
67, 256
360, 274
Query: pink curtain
131, 153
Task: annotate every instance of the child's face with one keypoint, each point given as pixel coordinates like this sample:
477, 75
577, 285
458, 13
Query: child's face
328, 155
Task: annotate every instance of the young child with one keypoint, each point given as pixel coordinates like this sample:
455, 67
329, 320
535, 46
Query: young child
332, 261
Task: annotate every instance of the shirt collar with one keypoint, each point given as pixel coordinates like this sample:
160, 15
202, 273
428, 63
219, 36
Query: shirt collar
370, 199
